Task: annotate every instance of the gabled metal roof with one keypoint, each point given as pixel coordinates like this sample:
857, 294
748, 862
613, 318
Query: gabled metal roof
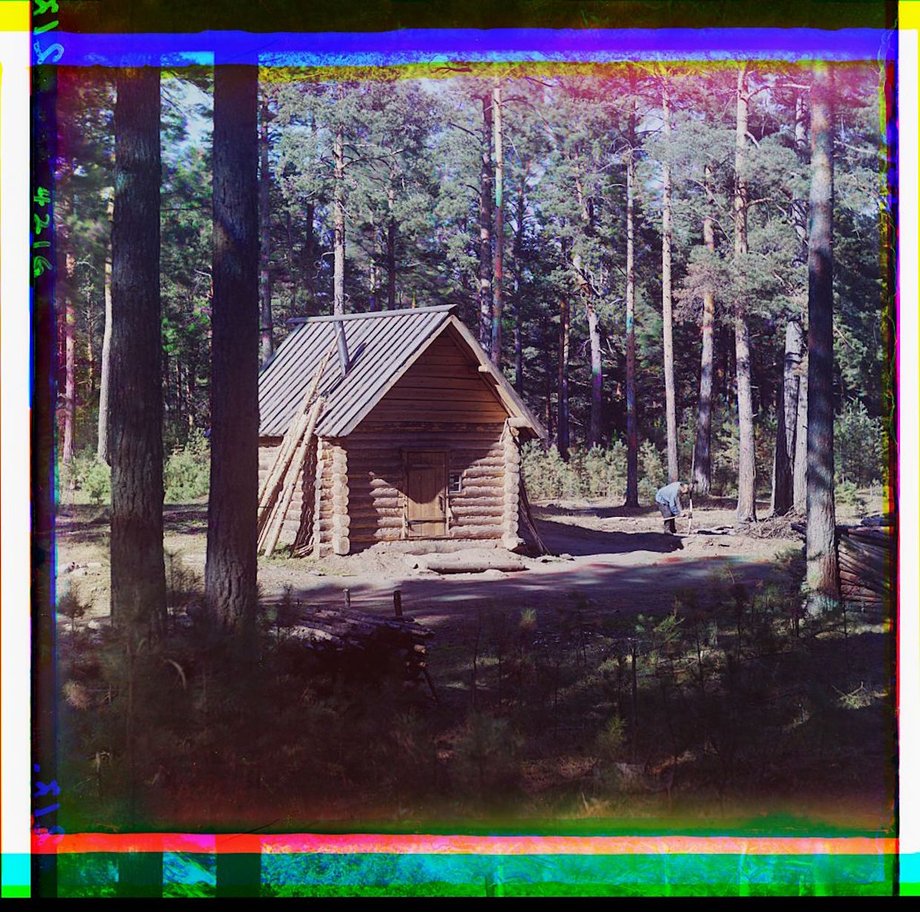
381, 347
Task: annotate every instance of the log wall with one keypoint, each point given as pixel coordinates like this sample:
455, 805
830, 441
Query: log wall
376, 478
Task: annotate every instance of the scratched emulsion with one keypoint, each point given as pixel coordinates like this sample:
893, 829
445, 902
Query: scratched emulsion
389, 874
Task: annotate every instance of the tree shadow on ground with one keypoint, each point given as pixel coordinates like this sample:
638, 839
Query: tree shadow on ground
565, 538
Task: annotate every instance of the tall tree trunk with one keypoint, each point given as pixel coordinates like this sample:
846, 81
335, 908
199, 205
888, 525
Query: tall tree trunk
800, 206
597, 375
498, 260
795, 368
792, 362
373, 277
338, 221
800, 463
667, 321
781, 498
632, 433
562, 431
391, 246
594, 341
747, 507
786, 414
105, 373
309, 252
518, 286
293, 271
550, 367
90, 350
702, 448
485, 227
822, 577
70, 385
265, 283
138, 585
230, 571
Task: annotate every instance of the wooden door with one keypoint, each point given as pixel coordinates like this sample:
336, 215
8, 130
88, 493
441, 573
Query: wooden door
426, 493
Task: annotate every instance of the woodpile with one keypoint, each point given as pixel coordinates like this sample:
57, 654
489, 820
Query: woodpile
865, 555
365, 645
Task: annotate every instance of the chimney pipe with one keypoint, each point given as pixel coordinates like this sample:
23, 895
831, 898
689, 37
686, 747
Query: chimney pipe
342, 346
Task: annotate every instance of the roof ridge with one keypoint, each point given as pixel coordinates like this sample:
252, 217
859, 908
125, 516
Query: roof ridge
331, 318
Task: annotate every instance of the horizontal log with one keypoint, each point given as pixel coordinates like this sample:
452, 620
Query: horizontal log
882, 569
477, 470
861, 578
489, 510
374, 480
363, 504
366, 538
362, 523
876, 541
495, 491
476, 461
490, 500
484, 532
363, 500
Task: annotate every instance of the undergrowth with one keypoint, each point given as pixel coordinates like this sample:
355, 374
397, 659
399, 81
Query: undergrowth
584, 709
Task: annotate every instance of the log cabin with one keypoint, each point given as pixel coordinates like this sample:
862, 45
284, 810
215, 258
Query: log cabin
418, 437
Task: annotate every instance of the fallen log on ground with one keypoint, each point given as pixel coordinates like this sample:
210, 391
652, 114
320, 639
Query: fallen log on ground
468, 563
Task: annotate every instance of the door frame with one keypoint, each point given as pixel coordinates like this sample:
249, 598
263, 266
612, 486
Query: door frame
407, 452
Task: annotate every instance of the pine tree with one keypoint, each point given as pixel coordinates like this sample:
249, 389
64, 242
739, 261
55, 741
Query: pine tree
822, 576
136, 413
230, 570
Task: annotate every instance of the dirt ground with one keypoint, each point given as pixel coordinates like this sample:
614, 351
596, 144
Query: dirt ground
600, 553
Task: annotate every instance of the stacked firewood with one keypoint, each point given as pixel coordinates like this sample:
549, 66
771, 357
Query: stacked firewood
364, 645
866, 559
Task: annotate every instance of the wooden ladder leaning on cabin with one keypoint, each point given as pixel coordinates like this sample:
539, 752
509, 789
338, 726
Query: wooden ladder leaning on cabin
281, 482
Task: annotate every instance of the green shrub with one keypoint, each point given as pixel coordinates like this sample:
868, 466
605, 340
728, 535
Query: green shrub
486, 755
847, 494
611, 738
653, 473
859, 446
594, 473
70, 606
186, 475
98, 482
544, 472
88, 475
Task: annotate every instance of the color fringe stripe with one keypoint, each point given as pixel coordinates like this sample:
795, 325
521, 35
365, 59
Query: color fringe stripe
240, 843
201, 874
171, 864
440, 47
